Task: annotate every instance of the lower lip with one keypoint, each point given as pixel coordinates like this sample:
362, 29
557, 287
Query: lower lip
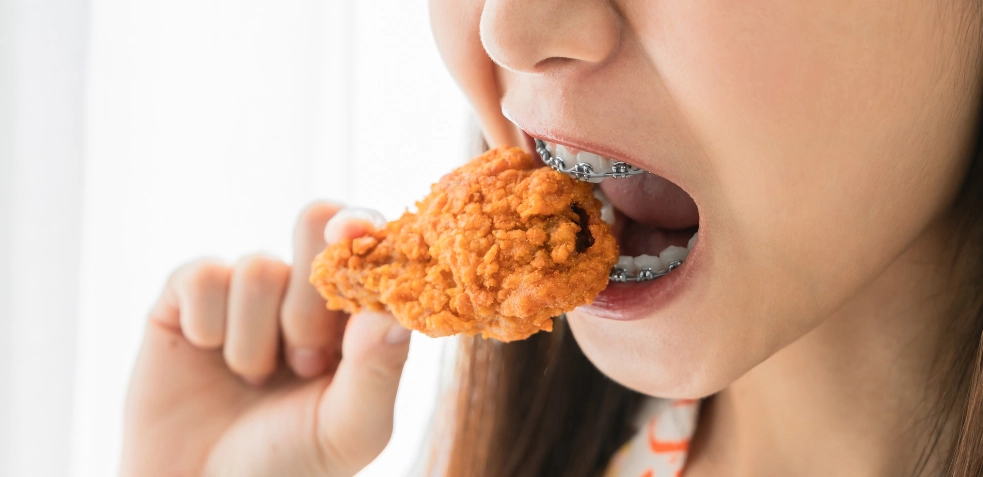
635, 301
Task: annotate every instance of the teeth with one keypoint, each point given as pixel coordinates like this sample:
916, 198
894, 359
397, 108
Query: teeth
648, 267
566, 154
673, 254
597, 163
607, 209
575, 163
648, 261
633, 269
607, 214
626, 263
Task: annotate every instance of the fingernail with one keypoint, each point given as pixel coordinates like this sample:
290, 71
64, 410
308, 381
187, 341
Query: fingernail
308, 362
397, 334
334, 229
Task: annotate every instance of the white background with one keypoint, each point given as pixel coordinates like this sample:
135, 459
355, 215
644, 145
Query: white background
138, 134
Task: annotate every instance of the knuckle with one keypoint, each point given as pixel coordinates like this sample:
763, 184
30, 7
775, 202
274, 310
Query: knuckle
198, 279
262, 271
207, 276
385, 370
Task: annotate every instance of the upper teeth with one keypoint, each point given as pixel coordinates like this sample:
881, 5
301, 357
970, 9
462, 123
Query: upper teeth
583, 165
570, 157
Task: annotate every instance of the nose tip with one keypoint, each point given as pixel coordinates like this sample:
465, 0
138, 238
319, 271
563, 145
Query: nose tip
530, 35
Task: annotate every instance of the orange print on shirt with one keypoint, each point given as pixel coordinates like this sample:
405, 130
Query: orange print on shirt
665, 447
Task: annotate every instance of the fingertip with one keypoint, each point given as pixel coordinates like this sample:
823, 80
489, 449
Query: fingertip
351, 223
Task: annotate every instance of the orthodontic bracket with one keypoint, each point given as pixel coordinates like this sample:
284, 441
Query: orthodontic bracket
619, 170
646, 274
583, 171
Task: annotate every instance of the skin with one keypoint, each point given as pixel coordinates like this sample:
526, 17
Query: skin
823, 143
211, 393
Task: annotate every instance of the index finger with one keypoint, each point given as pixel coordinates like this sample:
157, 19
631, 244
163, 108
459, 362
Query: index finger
312, 333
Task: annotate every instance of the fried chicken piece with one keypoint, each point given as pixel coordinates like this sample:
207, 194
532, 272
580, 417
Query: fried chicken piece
499, 247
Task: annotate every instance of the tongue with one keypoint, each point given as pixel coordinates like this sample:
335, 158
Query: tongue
652, 200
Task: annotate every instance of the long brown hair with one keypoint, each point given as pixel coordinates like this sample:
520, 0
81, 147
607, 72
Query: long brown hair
535, 408
539, 408
961, 400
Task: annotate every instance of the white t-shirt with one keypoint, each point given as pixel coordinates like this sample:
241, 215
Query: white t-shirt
659, 448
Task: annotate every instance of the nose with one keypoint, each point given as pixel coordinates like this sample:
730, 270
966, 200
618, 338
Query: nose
529, 35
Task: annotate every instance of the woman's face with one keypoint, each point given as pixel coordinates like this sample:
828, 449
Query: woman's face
811, 143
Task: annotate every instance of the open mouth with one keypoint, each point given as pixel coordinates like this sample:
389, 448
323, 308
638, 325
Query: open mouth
654, 221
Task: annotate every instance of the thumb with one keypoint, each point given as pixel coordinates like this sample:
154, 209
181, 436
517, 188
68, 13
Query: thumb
356, 413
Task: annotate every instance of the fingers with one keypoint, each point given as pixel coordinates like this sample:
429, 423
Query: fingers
356, 413
194, 301
312, 333
203, 291
352, 223
241, 309
256, 289
233, 308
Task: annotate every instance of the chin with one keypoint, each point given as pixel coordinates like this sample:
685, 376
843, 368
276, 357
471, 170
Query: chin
634, 357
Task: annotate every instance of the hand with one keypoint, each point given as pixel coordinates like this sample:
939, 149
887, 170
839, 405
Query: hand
212, 394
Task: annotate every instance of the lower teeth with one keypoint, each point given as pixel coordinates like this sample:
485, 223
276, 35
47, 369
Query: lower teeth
643, 275
645, 268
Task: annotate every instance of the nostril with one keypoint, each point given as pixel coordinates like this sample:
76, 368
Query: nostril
552, 62
536, 37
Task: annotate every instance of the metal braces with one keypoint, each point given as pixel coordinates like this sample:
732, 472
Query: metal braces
583, 171
619, 170
643, 275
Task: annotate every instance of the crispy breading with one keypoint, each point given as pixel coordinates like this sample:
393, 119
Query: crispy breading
497, 248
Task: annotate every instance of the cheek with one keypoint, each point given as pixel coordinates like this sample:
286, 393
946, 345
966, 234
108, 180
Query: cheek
826, 125
834, 133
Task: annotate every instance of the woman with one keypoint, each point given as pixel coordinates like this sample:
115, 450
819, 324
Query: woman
828, 315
